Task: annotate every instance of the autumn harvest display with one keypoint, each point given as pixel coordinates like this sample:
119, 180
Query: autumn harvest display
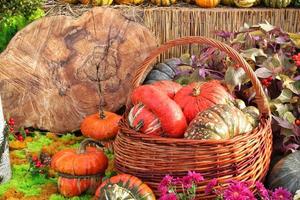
149, 99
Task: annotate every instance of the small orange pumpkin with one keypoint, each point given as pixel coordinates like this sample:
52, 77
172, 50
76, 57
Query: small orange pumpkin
101, 126
207, 3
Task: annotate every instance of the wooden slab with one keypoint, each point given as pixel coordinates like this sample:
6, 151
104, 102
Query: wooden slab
48, 73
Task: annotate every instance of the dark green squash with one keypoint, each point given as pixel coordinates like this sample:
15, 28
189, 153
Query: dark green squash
162, 71
286, 173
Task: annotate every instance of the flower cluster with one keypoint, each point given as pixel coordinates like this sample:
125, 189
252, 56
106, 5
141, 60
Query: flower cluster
240, 190
184, 188
168, 187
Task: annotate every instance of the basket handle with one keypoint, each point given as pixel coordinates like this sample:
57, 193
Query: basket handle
145, 67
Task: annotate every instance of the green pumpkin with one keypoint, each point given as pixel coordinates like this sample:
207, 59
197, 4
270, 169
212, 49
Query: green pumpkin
277, 3
162, 71
286, 173
222, 121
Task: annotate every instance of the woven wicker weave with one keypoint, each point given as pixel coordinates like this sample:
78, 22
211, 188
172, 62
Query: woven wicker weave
244, 157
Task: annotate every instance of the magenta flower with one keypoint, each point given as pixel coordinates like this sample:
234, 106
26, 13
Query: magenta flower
263, 192
177, 181
164, 184
187, 181
196, 177
210, 186
281, 194
238, 191
170, 196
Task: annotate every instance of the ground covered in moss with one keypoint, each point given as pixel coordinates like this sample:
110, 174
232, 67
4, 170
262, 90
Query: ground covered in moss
30, 182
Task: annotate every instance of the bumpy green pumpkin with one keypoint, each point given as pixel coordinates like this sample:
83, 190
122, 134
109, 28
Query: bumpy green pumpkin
222, 121
277, 3
286, 173
162, 71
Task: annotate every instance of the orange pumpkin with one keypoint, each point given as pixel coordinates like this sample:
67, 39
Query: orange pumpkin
101, 126
70, 187
79, 170
207, 3
124, 186
81, 162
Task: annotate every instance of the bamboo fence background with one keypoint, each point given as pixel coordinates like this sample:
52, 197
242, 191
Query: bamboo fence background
169, 23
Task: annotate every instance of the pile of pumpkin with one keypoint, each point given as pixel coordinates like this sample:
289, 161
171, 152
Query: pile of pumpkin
82, 170
201, 3
199, 110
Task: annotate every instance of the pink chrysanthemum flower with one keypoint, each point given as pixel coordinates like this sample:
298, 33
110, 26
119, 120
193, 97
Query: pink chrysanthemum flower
187, 181
196, 177
238, 191
210, 186
281, 194
164, 184
263, 192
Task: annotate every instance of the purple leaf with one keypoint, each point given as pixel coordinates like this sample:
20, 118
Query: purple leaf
282, 39
297, 78
282, 122
202, 72
296, 130
224, 34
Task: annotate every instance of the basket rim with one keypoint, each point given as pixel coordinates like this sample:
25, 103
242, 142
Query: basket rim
264, 123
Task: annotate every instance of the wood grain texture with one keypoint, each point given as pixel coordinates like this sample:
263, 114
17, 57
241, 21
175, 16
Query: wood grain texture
48, 73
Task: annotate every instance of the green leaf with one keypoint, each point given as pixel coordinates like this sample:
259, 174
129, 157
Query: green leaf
253, 53
289, 83
234, 76
240, 38
186, 58
295, 37
285, 96
280, 108
289, 117
266, 26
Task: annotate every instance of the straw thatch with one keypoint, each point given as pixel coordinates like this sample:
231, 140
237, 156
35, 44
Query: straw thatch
187, 20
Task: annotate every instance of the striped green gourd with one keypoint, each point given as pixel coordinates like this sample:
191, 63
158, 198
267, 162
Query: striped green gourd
277, 3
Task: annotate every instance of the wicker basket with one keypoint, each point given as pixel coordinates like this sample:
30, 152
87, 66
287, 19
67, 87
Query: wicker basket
245, 157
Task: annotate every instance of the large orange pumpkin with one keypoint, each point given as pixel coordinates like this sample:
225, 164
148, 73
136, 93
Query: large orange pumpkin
101, 126
199, 96
207, 3
124, 186
79, 170
84, 161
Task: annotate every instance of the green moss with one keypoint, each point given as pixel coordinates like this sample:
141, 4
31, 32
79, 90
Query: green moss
38, 143
69, 136
20, 154
24, 182
60, 197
